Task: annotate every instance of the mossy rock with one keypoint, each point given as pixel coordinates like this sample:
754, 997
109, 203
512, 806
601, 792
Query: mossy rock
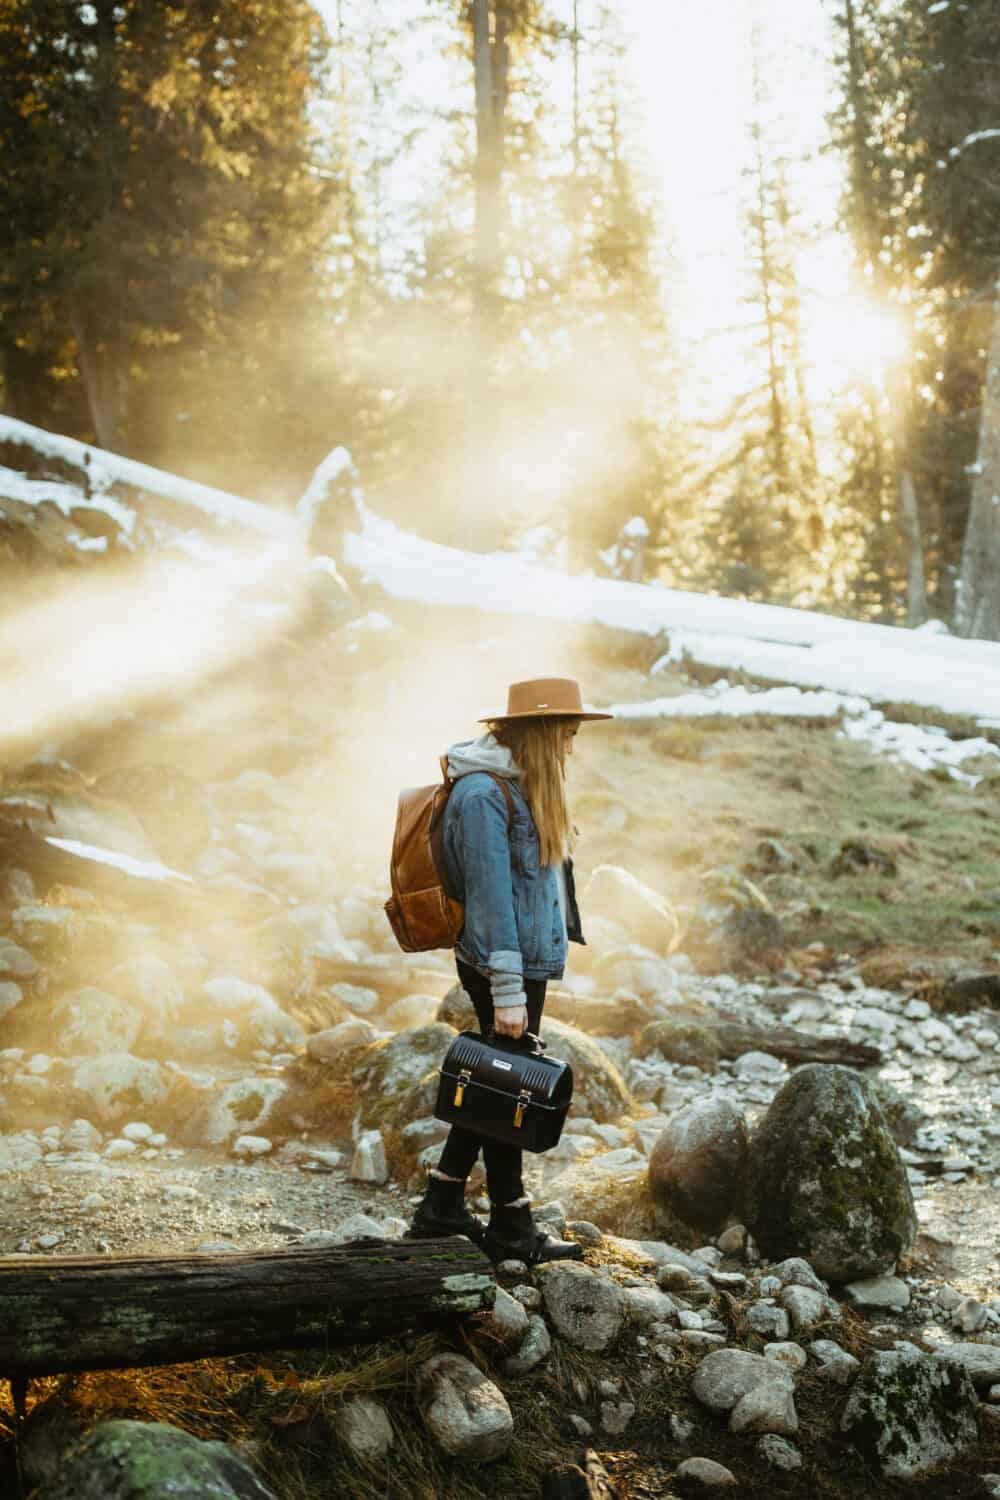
826, 1180
909, 1412
902, 1116
599, 1089
394, 1077
123, 1460
680, 1042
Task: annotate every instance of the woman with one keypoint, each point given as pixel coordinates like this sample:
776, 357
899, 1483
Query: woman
510, 867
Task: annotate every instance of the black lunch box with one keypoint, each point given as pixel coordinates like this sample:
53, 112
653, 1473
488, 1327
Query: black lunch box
501, 1088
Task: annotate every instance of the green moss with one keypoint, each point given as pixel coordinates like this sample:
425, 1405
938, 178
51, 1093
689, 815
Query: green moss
826, 1181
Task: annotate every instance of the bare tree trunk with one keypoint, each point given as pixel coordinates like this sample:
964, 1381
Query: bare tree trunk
977, 606
779, 455
900, 407
103, 365
95, 299
487, 162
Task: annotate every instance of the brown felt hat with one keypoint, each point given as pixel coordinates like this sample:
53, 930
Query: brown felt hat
544, 698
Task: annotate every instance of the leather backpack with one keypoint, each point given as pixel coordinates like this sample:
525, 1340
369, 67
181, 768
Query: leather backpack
421, 913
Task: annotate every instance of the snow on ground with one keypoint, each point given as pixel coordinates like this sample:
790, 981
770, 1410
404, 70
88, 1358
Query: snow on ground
912, 744
881, 663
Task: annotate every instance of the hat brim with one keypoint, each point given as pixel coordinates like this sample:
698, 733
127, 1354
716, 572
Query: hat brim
549, 713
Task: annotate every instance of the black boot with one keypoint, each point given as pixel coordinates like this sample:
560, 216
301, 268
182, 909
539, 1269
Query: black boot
442, 1211
512, 1234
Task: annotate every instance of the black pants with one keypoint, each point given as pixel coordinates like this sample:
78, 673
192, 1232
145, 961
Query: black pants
503, 1162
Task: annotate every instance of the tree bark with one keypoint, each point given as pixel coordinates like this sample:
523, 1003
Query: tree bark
490, 58
977, 606
97, 1314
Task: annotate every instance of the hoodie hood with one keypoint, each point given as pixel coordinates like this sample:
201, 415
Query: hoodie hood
482, 754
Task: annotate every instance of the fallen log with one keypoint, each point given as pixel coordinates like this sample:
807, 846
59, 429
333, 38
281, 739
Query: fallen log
687, 1037
97, 1313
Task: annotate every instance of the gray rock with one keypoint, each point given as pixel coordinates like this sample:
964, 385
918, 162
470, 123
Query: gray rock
586, 1309
778, 1452
355, 1227
616, 895
335, 1042
529, 1296
732, 1241
532, 1350
700, 1476
584, 1232
909, 1411
16, 962
368, 1164
11, 996
970, 1316
89, 1021
646, 1305
835, 1363
806, 1308
879, 1292
616, 1415
397, 1078
123, 1460
826, 1179
463, 1410
791, 1355
982, 1361
697, 1168
117, 1083
769, 1321
599, 1090
507, 1319
798, 1272
756, 1391
362, 1423
768, 1407
242, 1108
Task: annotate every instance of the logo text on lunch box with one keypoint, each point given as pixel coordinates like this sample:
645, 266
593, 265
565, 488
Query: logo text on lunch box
498, 1064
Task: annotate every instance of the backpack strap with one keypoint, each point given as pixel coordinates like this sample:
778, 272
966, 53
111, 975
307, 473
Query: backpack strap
501, 782
510, 800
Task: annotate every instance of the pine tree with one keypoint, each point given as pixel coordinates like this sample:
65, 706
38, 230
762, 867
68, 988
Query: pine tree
161, 187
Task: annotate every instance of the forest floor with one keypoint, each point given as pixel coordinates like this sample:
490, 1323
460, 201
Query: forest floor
687, 807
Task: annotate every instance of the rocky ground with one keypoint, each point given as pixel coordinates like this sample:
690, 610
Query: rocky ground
249, 1063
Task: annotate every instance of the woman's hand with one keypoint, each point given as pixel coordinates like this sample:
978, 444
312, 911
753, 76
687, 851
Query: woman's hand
510, 1020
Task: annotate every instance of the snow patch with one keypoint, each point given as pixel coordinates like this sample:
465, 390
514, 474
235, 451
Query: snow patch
922, 746
142, 869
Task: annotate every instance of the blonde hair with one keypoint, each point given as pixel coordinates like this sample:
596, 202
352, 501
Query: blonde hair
538, 745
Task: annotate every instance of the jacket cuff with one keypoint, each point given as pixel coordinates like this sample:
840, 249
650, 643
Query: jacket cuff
511, 1002
505, 961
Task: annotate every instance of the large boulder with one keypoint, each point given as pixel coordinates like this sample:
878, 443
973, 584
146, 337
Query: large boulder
909, 1411
244, 1107
124, 1460
615, 895
826, 1180
599, 1091
697, 1168
119, 1086
89, 1021
396, 1079
248, 1014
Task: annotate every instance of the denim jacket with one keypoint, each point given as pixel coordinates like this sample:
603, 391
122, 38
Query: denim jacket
513, 924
